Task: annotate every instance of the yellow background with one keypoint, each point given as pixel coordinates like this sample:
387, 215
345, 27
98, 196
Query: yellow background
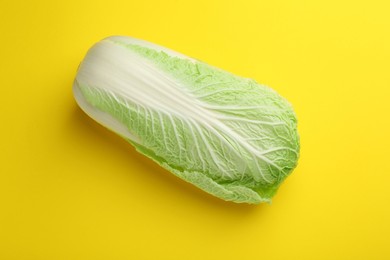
69, 189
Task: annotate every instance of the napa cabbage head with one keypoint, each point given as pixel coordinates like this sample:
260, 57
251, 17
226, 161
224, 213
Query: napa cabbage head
228, 135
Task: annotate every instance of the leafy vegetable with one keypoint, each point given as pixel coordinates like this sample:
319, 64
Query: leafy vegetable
226, 134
